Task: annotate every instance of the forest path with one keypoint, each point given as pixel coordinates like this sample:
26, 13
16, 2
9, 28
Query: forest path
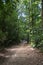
21, 55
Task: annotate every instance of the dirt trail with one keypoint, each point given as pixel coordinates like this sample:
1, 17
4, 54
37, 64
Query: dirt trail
21, 55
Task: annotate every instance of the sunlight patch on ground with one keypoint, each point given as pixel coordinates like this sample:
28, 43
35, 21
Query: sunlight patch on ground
7, 56
1, 54
20, 49
32, 49
15, 55
17, 52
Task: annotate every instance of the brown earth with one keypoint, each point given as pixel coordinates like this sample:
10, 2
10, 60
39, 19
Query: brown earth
21, 55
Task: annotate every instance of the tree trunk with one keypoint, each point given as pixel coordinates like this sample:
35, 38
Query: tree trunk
42, 13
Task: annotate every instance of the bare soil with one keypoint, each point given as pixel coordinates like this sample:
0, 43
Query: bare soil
21, 55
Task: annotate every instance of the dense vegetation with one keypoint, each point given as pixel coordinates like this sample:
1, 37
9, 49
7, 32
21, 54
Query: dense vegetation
21, 20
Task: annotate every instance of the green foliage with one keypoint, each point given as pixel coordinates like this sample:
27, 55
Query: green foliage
19, 20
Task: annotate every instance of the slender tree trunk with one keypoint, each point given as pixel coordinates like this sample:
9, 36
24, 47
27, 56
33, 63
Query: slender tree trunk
42, 13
